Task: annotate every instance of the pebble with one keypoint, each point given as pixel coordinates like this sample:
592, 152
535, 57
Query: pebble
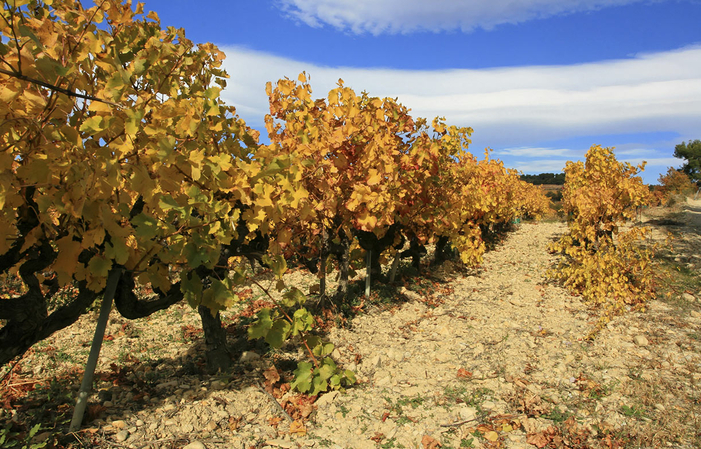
640, 340
326, 399
249, 356
280, 443
121, 436
195, 445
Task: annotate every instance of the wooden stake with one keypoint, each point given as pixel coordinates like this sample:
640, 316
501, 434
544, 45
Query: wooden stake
368, 266
86, 386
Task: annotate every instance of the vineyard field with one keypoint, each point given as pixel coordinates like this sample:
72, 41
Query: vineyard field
490, 357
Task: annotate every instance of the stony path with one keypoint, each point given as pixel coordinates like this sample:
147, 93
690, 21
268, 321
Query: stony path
495, 325
501, 362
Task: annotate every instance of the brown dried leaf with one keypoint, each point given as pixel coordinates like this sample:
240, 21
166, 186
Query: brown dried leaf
272, 375
429, 442
378, 437
539, 440
465, 374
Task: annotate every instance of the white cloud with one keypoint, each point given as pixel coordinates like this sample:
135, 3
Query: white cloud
537, 152
406, 16
507, 107
541, 166
655, 162
653, 166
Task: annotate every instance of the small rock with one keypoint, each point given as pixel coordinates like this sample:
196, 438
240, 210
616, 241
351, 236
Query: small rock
139, 423
195, 445
187, 428
412, 296
211, 426
279, 443
121, 436
688, 297
170, 383
488, 405
326, 399
119, 424
640, 340
467, 413
40, 438
248, 356
219, 385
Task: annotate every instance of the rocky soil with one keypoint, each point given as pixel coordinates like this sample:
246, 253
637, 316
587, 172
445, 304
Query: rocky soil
495, 357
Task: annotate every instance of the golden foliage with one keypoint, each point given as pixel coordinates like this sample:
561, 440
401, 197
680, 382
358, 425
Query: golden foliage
607, 267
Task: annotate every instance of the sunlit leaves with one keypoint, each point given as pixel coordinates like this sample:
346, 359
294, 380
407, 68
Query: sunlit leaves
156, 165
606, 266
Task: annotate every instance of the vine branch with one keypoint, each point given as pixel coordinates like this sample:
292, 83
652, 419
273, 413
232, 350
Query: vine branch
55, 88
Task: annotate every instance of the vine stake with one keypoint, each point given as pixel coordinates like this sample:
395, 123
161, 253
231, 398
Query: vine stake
86, 386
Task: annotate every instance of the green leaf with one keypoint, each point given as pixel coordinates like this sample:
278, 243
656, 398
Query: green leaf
327, 369
294, 296
322, 349
27, 32
312, 341
191, 286
319, 385
167, 202
117, 250
218, 296
100, 266
133, 122
277, 264
302, 321
93, 125
239, 276
303, 377
34, 431
261, 326
146, 226
279, 332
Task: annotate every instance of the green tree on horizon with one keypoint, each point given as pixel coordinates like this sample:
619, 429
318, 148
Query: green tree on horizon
691, 151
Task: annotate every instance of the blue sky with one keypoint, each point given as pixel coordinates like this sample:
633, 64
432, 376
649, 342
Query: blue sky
539, 81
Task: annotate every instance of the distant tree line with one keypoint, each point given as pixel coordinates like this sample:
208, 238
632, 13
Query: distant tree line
545, 178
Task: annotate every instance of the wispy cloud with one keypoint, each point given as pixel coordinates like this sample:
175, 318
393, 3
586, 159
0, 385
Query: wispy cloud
653, 165
541, 166
537, 152
406, 16
507, 107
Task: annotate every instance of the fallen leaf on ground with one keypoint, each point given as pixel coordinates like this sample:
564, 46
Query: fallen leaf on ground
537, 439
429, 442
462, 372
378, 437
297, 428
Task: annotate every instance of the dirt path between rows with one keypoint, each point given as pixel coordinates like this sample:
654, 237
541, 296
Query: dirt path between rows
498, 359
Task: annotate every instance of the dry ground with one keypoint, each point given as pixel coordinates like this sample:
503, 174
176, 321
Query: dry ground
494, 357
